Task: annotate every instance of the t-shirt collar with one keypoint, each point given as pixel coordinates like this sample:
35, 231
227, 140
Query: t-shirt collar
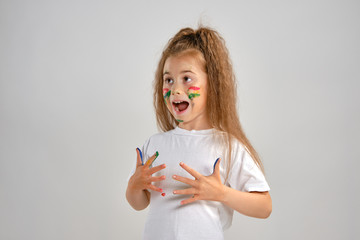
182, 131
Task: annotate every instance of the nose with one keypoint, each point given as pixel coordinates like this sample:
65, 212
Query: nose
175, 92
176, 88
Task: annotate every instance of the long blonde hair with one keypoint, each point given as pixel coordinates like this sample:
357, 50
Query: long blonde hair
221, 106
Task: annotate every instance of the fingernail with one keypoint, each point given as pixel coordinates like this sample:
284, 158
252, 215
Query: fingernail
174, 176
216, 162
156, 155
181, 163
140, 155
174, 192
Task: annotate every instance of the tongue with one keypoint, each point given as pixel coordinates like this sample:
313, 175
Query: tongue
182, 106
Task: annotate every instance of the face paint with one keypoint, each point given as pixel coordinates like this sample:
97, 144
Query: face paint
193, 92
194, 88
166, 93
179, 120
149, 162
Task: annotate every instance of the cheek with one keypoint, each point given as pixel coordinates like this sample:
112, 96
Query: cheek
166, 94
200, 100
193, 92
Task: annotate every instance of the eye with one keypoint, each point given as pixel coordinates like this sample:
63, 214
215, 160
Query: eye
187, 79
169, 81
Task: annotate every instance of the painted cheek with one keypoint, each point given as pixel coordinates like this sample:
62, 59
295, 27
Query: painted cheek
166, 93
194, 88
165, 90
193, 92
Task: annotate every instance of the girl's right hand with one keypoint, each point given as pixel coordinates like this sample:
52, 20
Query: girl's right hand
142, 178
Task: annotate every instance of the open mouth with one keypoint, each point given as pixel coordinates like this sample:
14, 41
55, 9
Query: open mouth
180, 106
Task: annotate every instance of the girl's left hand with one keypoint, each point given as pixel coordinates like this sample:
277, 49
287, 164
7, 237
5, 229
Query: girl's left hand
203, 187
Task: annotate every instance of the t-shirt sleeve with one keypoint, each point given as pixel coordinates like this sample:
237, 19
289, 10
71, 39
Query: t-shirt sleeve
245, 175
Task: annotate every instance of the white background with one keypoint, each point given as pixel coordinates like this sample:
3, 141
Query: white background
76, 100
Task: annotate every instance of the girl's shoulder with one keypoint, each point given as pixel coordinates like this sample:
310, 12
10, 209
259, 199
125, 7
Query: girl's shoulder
158, 137
224, 138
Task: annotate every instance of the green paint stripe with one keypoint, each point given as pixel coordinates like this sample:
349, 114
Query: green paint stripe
167, 94
148, 161
192, 95
179, 120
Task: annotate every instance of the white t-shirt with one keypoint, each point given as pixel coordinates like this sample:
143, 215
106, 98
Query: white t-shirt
167, 219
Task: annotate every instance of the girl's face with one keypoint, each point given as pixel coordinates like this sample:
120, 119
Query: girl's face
185, 90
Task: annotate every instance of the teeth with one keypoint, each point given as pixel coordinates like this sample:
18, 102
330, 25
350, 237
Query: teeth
177, 109
176, 102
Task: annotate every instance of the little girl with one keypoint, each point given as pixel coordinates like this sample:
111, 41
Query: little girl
202, 166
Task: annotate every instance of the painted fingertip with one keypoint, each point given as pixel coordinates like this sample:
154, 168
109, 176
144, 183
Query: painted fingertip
141, 157
215, 163
156, 155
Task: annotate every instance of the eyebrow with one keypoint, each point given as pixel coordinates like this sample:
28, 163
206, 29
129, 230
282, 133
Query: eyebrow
185, 71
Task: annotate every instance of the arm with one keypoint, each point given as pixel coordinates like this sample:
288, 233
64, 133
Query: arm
138, 199
253, 204
137, 193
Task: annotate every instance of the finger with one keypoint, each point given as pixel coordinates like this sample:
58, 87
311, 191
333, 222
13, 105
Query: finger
156, 189
152, 159
156, 169
194, 173
185, 180
139, 160
187, 191
157, 179
189, 200
217, 166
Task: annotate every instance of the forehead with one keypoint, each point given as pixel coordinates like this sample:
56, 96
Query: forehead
189, 60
